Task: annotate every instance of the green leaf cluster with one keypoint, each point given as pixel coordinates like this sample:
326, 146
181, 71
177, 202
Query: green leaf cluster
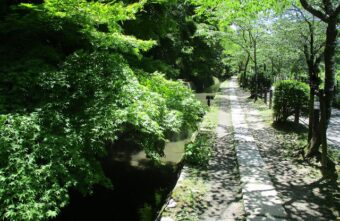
69, 89
187, 46
290, 95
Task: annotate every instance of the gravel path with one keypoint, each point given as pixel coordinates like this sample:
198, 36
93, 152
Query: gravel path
305, 195
224, 199
261, 200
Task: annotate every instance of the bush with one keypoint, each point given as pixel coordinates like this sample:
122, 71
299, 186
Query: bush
337, 92
66, 92
290, 95
146, 213
248, 80
94, 99
198, 152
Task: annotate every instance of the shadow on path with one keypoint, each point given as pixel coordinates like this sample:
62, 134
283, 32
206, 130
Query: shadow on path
305, 195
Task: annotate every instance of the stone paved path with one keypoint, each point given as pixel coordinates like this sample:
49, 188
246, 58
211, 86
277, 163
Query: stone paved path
260, 198
249, 177
305, 196
334, 129
224, 200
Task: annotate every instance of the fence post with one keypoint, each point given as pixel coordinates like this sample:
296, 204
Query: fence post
270, 98
316, 118
297, 115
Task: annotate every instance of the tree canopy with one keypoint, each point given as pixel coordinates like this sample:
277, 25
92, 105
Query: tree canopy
78, 75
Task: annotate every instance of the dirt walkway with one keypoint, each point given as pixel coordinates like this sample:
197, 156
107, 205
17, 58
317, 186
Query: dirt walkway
260, 198
212, 193
224, 199
215, 193
298, 184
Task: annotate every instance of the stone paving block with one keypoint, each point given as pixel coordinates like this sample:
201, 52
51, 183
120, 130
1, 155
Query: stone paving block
259, 173
242, 145
249, 157
264, 218
264, 203
243, 137
254, 180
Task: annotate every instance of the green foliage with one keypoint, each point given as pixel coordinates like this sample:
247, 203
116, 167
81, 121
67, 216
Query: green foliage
38, 166
93, 99
199, 152
188, 47
178, 98
227, 10
99, 22
337, 92
290, 95
248, 80
146, 213
67, 91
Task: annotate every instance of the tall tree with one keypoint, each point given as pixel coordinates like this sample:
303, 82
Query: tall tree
248, 34
328, 11
306, 34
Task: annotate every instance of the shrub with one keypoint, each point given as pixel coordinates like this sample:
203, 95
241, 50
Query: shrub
337, 92
290, 95
94, 99
146, 213
177, 97
264, 81
199, 151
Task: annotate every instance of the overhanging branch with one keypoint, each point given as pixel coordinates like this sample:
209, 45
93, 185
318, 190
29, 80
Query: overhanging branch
314, 11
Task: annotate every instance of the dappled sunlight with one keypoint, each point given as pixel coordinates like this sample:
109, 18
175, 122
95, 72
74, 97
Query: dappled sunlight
259, 195
173, 153
103, 103
305, 196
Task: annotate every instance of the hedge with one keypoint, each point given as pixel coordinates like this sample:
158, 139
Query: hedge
289, 96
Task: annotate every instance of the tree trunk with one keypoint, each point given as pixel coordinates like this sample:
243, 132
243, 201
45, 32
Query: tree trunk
330, 16
311, 112
245, 71
256, 74
327, 165
315, 141
329, 54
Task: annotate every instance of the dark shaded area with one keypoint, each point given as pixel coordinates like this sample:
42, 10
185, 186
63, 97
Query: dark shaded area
133, 187
180, 52
290, 127
305, 195
34, 45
